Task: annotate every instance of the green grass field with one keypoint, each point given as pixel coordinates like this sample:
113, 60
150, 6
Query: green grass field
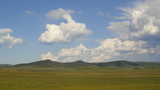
116, 79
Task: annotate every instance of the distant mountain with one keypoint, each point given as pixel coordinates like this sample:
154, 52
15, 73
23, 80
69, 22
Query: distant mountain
125, 64
80, 64
54, 64
5, 65
43, 63
149, 64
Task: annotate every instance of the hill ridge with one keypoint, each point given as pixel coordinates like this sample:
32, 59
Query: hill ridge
79, 64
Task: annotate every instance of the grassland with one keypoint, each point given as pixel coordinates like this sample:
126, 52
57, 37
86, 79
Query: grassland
100, 79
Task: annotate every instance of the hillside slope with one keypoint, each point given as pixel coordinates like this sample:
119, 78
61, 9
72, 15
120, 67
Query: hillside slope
54, 64
125, 64
80, 64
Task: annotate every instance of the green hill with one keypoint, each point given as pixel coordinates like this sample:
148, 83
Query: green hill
44, 63
149, 64
54, 64
124, 64
81, 64
127, 64
78, 64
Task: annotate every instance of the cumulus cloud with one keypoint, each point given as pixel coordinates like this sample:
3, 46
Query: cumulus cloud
135, 36
109, 48
77, 53
8, 41
48, 56
65, 32
5, 31
59, 14
143, 24
112, 45
144, 21
116, 47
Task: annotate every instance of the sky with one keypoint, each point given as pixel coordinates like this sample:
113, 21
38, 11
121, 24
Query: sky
71, 30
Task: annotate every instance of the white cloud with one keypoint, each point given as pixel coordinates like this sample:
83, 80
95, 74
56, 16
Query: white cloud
5, 31
155, 50
9, 41
31, 44
28, 12
59, 14
77, 53
109, 48
120, 28
134, 36
144, 20
65, 32
101, 13
143, 23
48, 56
117, 47
125, 16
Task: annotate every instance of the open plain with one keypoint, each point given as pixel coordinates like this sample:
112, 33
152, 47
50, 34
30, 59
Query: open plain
96, 78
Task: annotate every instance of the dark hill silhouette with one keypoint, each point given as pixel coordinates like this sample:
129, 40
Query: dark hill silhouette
80, 64
119, 64
54, 64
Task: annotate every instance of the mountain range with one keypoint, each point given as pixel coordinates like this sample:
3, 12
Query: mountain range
81, 64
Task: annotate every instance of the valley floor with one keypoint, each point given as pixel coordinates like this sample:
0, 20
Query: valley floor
145, 79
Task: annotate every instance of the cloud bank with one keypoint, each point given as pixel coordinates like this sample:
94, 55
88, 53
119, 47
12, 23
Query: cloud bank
109, 48
137, 34
65, 32
8, 41
143, 23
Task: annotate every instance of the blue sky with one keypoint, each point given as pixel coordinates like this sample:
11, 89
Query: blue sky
70, 30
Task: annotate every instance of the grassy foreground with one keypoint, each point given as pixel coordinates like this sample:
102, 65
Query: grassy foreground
145, 79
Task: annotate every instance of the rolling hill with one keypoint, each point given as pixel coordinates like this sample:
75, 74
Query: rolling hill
119, 64
5, 65
82, 64
54, 64
44, 63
